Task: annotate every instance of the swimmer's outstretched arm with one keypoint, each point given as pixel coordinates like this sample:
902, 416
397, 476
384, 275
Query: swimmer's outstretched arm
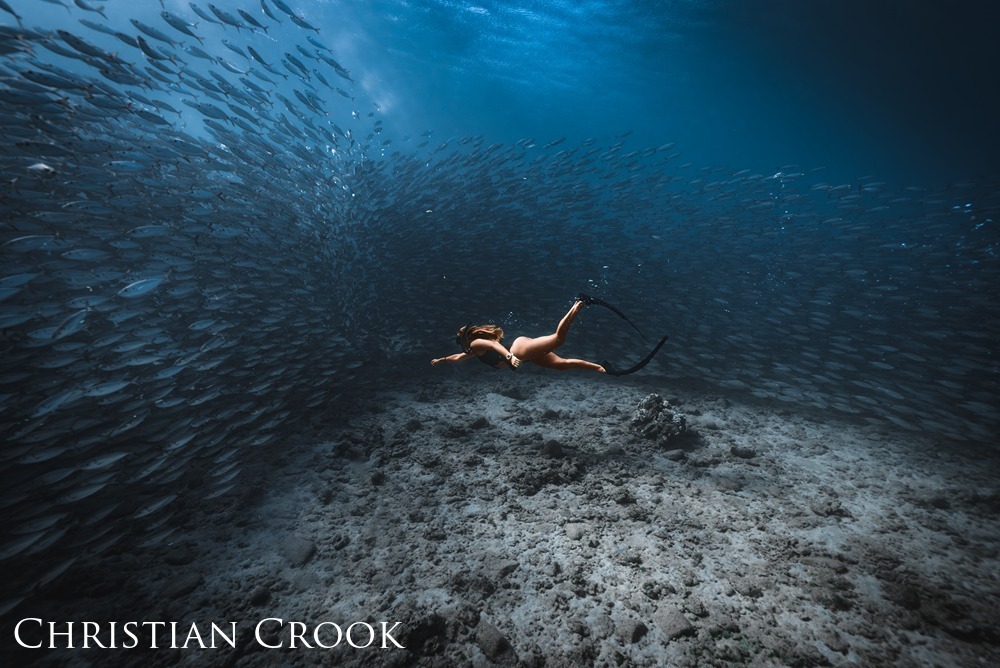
457, 357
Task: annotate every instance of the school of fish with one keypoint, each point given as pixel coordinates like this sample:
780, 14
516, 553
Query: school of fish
206, 235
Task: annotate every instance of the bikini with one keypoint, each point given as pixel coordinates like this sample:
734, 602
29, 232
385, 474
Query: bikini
490, 358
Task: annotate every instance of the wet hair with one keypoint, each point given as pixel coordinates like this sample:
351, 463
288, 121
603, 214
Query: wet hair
470, 333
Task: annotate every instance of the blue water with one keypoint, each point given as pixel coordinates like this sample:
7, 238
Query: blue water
803, 197
903, 90
899, 89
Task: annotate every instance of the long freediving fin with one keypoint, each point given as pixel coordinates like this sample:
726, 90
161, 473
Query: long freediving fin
611, 371
587, 299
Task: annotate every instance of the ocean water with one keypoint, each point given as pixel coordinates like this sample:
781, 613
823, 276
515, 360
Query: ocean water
210, 232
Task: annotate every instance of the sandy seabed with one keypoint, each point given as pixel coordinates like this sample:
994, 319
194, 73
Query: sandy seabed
527, 520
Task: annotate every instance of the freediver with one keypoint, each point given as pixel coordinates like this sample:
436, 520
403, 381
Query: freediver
483, 342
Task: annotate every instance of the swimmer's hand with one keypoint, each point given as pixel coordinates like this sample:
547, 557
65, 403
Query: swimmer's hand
514, 362
436, 361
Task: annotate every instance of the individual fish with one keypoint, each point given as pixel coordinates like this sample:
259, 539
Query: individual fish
267, 11
99, 27
209, 110
198, 53
263, 78
151, 52
153, 32
80, 493
220, 491
140, 288
256, 56
180, 25
203, 15
50, 539
53, 80
71, 325
7, 8
227, 18
298, 64
306, 53
59, 3
17, 280
103, 461
152, 118
81, 45
154, 506
321, 79
229, 66
251, 85
202, 324
85, 254
302, 23
283, 7
317, 44
90, 8
127, 39
54, 402
336, 66
251, 20
105, 388
18, 544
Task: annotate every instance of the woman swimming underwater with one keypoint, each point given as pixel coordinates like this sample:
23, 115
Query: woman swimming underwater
483, 342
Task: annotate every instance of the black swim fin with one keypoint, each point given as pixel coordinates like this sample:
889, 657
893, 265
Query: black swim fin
644, 362
587, 299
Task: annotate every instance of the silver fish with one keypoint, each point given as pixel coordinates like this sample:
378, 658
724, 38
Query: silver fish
140, 288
